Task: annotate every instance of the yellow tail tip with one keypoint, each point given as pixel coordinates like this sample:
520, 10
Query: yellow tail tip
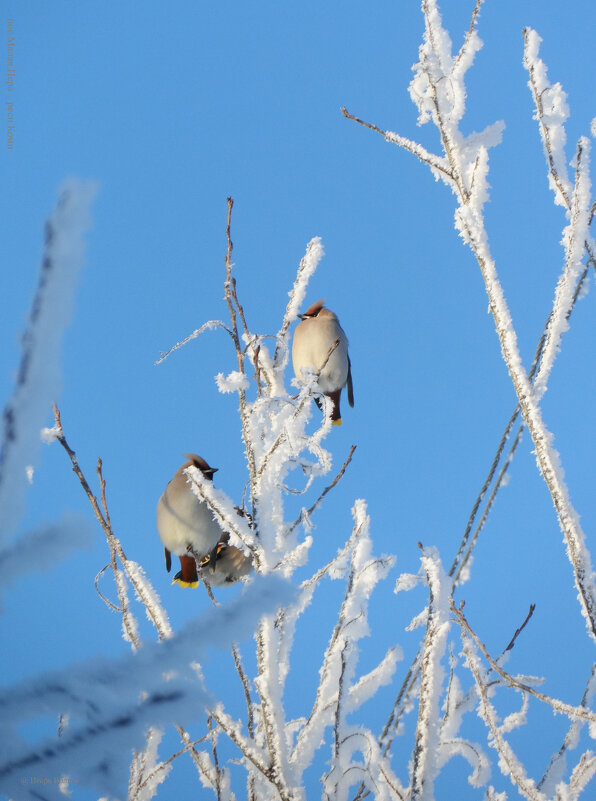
336, 422
182, 583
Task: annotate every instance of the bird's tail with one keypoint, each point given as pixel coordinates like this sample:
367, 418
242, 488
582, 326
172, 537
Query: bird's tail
187, 576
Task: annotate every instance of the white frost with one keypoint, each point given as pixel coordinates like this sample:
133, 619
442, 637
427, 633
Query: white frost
234, 382
39, 377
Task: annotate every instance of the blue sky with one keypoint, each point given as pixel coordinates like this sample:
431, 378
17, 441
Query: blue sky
171, 108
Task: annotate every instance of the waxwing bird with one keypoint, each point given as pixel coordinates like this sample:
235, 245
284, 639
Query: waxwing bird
226, 564
314, 338
185, 522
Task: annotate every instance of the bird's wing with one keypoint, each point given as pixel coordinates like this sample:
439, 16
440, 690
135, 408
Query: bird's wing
168, 556
349, 383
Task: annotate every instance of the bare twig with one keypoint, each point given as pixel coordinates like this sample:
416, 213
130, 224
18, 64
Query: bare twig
305, 398
232, 302
102, 484
116, 549
169, 760
509, 763
213, 738
433, 161
304, 514
247, 748
340, 692
107, 601
228, 525
463, 555
113, 541
194, 335
537, 95
519, 630
237, 661
571, 736
469, 33
559, 706
307, 264
434, 643
194, 754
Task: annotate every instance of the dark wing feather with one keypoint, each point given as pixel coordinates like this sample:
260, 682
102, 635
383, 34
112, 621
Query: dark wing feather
349, 383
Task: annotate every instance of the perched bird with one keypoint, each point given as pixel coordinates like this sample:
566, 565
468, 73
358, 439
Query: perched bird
185, 522
226, 564
314, 338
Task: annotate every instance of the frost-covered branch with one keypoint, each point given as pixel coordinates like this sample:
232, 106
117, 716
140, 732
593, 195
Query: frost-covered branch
424, 765
556, 768
146, 772
38, 379
306, 513
158, 682
134, 573
338, 693
580, 712
508, 760
438, 89
232, 302
210, 324
308, 265
574, 237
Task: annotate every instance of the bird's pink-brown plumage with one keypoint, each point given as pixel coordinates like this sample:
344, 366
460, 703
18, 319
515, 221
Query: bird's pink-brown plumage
314, 345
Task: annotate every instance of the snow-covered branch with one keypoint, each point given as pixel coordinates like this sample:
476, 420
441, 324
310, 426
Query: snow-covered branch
38, 380
438, 89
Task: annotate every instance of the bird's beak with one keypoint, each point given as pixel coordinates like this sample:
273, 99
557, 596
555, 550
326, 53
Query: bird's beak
302, 316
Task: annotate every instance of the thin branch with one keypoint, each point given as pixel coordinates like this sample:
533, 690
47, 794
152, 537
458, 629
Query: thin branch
545, 454
237, 662
508, 762
231, 300
194, 335
469, 33
519, 630
426, 735
169, 760
271, 721
249, 750
340, 627
113, 541
106, 600
194, 754
304, 514
433, 161
340, 694
102, 484
213, 739
460, 561
228, 525
559, 706
114, 544
545, 130
282, 434
571, 736
250, 725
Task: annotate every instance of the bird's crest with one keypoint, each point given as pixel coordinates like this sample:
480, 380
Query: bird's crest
197, 461
313, 310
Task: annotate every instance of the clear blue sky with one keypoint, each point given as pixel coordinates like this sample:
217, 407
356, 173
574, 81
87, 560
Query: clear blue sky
173, 107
